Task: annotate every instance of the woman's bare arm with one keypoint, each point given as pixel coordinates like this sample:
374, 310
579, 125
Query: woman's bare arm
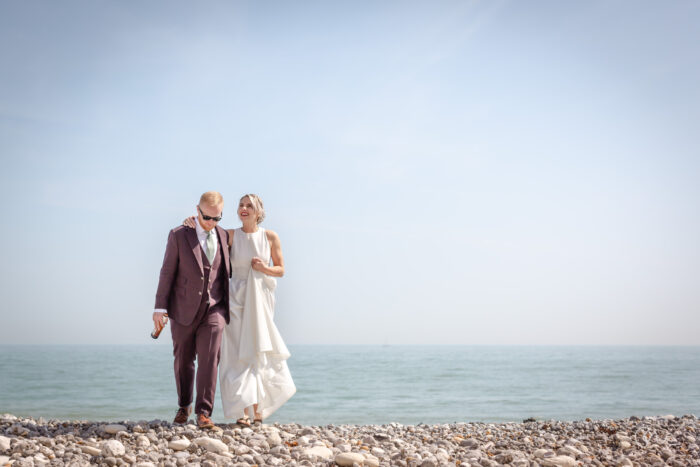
277, 268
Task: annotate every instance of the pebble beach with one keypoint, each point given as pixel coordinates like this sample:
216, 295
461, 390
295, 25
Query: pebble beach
646, 441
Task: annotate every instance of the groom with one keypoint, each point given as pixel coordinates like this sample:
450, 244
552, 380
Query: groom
193, 291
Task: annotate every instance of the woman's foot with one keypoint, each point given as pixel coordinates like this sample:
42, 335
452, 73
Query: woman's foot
243, 421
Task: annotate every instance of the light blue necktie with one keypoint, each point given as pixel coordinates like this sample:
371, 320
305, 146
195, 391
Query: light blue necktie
211, 246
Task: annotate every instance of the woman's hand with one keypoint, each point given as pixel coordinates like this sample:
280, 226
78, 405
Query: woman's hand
258, 264
189, 222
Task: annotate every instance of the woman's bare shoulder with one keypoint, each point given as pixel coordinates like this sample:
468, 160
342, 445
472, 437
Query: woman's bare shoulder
272, 235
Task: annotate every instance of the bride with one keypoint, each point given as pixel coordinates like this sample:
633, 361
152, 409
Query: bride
253, 373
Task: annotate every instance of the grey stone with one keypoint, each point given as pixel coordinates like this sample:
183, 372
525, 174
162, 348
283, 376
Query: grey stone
469, 443
114, 428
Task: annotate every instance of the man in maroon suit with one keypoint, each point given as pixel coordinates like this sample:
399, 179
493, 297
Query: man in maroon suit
193, 291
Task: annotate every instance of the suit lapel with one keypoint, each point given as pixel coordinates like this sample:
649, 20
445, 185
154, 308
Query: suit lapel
223, 241
191, 235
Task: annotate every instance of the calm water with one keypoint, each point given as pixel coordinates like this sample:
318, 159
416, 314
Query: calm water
370, 384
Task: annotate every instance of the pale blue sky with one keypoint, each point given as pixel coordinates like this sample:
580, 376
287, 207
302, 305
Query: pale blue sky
495, 172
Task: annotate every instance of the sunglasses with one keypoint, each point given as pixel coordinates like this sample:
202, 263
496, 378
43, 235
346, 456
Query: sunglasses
209, 218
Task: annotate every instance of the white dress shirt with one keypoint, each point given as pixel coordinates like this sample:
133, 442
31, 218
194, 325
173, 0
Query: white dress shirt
202, 237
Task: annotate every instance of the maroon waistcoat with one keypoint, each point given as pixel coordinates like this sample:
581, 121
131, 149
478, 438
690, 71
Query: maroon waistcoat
215, 284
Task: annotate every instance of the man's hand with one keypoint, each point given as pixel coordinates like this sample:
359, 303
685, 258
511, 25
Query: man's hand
160, 319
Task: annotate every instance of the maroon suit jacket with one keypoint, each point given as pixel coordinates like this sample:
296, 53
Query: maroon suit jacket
181, 275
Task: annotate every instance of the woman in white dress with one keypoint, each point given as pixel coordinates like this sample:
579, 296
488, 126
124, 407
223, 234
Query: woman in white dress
253, 374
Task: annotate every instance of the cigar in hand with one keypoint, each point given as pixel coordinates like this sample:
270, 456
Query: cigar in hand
156, 331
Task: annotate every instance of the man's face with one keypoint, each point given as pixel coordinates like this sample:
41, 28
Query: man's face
209, 211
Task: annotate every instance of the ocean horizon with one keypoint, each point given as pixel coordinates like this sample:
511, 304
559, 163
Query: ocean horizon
370, 384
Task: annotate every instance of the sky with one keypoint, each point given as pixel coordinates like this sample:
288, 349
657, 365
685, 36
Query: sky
439, 172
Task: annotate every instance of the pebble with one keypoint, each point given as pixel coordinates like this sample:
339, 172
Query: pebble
93, 451
318, 451
113, 429
559, 461
113, 448
347, 459
211, 444
180, 444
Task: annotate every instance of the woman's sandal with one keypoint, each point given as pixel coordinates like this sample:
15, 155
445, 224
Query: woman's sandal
258, 419
243, 421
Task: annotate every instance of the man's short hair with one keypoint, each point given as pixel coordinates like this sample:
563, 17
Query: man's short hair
211, 198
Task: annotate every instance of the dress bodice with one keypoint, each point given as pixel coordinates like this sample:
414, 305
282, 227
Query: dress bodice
244, 248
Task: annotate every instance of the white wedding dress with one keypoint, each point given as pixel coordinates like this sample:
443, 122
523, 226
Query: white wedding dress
253, 366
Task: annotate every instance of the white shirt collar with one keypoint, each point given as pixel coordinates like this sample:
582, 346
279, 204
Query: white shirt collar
199, 229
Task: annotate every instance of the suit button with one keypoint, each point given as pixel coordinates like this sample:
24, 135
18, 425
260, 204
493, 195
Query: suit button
202, 277
200, 293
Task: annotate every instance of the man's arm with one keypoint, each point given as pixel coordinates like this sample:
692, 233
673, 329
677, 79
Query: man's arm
165, 283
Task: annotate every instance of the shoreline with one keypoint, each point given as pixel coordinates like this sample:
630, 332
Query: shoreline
658, 440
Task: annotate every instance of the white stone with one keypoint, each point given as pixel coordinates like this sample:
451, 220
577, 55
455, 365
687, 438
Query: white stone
539, 453
145, 464
113, 429
241, 449
142, 441
91, 450
40, 460
559, 461
346, 459
211, 445
371, 461
4, 460
318, 451
179, 444
113, 448
571, 451
4, 443
624, 462
303, 440
274, 439
379, 452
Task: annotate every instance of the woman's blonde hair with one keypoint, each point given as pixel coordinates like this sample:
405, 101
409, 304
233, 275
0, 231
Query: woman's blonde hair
257, 205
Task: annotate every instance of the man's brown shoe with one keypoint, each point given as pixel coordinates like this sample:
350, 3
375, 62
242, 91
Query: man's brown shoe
204, 422
183, 413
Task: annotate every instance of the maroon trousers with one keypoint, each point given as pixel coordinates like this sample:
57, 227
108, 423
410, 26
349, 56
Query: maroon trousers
200, 340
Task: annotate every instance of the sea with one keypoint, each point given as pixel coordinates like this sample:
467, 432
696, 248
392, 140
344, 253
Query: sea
370, 384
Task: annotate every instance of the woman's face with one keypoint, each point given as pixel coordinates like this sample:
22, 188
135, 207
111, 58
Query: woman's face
246, 210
